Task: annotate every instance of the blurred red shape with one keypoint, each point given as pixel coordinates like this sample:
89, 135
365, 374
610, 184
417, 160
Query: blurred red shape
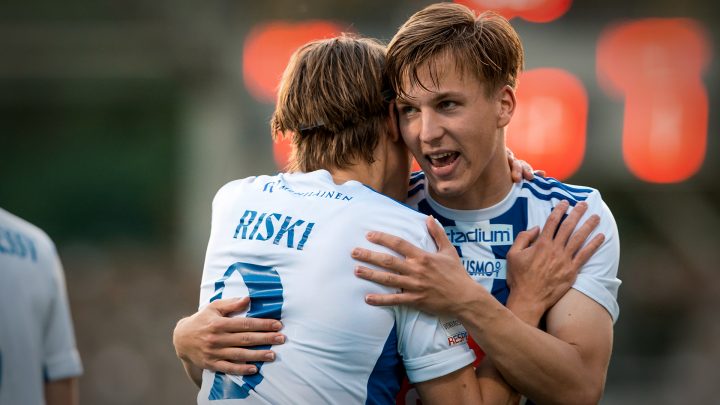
548, 128
539, 11
268, 48
656, 66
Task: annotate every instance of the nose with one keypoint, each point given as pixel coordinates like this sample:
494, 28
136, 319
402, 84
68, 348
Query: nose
431, 129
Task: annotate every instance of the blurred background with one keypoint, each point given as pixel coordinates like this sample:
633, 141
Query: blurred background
120, 119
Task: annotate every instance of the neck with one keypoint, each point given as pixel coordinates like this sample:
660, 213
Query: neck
362, 172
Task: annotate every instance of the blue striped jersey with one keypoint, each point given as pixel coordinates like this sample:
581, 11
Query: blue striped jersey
483, 237
285, 241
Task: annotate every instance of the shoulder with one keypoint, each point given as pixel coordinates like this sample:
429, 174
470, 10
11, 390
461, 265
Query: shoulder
553, 190
416, 187
238, 187
23, 229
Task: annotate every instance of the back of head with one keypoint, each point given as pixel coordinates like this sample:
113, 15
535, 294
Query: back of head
330, 103
485, 45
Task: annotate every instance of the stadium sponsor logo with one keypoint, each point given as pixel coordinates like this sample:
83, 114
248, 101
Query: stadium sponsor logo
274, 227
488, 234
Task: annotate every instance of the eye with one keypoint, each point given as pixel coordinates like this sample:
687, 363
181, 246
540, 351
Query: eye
447, 105
406, 109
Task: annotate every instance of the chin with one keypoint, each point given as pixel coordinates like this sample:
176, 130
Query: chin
448, 189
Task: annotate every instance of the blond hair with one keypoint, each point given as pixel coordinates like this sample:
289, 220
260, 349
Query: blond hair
484, 45
331, 104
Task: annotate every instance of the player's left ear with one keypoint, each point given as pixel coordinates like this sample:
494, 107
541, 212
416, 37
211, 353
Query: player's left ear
506, 105
393, 124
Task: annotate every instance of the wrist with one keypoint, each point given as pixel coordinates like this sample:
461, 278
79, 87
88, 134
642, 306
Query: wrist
473, 304
527, 310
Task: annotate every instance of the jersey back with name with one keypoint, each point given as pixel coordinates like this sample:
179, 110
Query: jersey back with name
286, 241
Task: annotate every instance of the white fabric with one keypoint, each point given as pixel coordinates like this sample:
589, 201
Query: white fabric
36, 333
334, 339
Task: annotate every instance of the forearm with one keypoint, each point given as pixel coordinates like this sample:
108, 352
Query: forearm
195, 373
62, 392
537, 364
493, 387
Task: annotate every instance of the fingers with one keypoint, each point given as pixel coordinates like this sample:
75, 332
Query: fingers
540, 173
247, 339
393, 243
231, 368
516, 170
383, 260
239, 355
586, 252
383, 300
229, 305
510, 154
568, 225
553, 220
245, 324
527, 171
383, 277
525, 238
582, 233
438, 234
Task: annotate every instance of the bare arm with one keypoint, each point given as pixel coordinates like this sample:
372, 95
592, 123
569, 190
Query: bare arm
211, 339
568, 364
462, 387
62, 392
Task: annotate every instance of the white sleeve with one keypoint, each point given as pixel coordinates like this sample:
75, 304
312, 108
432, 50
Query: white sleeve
430, 348
61, 358
598, 277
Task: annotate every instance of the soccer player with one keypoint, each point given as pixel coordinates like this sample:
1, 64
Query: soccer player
455, 75
285, 242
38, 360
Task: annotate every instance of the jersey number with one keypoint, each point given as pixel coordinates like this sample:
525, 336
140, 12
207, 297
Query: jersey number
266, 299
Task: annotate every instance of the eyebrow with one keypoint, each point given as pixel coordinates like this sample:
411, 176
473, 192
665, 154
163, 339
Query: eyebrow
435, 98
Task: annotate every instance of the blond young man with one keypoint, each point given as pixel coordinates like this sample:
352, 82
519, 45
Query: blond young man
455, 74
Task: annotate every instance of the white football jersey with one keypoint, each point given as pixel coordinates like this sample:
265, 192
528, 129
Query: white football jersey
36, 334
285, 241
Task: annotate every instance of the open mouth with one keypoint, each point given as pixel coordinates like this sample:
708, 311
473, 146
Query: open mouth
442, 159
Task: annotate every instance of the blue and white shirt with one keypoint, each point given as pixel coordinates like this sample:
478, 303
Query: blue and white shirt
483, 237
285, 241
37, 343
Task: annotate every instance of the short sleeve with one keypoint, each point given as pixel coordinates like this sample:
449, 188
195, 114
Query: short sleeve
598, 277
61, 358
431, 347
